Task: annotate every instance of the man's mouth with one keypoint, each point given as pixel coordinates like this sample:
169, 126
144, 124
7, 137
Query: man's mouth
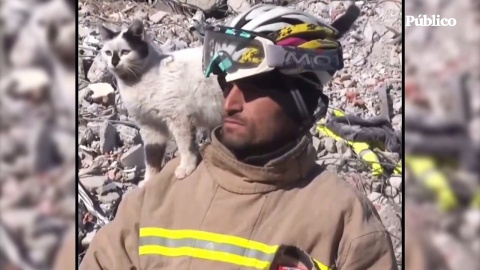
230, 121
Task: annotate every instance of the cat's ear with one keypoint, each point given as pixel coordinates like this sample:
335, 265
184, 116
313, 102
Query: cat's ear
136, 29
105, 33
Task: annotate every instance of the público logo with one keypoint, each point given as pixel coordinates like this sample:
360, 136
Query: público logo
432, 20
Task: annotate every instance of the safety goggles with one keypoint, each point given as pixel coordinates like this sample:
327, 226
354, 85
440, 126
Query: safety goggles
239, 54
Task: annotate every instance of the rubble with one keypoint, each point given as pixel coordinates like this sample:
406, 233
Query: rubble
134, 157
370, 60
108, 137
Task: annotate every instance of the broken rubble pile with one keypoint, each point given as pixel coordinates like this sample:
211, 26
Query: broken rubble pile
372, 55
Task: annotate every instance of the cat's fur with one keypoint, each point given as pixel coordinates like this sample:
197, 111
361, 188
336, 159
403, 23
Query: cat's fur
167, 94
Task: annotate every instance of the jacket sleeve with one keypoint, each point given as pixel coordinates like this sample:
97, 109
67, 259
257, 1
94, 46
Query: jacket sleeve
115, 246
370, 251
65, 257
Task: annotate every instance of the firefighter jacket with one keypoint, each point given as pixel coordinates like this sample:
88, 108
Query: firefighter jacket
230, 215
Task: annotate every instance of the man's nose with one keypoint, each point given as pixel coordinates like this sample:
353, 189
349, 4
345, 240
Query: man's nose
234, 101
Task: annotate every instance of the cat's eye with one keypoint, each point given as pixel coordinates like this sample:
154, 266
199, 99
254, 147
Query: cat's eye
124, 52
109, 53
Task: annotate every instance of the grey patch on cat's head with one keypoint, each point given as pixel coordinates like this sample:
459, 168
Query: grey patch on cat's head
125, 51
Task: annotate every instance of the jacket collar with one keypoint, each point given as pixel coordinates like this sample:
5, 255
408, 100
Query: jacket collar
238, 177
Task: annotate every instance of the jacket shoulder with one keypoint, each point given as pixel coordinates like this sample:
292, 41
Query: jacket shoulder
350, 202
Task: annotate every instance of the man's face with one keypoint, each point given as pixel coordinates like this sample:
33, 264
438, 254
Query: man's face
255, 120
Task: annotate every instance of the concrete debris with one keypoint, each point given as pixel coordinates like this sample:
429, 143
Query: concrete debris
396, 181
108, 137
109, 198
134, 157
93, 182
103, 93
128, 135
330, 145
158, 16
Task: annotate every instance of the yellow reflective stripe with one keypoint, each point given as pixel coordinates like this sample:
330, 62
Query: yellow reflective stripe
208, 236
321, 265
398, 169
358, 148
425, 169
204, 254
337, 112
201, 244
476, 200
369, 156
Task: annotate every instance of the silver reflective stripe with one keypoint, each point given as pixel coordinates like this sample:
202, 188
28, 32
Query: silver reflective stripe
206, 245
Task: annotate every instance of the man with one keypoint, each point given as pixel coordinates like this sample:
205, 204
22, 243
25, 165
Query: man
258, 186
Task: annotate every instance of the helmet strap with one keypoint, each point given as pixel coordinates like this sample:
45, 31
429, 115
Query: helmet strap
307, 119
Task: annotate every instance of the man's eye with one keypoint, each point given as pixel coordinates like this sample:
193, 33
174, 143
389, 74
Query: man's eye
124, 52
109, 53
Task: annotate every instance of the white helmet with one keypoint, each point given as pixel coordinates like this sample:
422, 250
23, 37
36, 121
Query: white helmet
266, 19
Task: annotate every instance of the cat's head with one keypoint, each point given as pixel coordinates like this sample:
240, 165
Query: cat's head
53, 23
125, 51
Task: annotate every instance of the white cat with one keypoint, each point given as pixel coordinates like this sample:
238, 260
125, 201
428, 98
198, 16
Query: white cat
167, 94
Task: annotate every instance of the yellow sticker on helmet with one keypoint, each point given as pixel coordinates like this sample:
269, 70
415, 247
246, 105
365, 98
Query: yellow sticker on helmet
320, 44
305, 29
251, 56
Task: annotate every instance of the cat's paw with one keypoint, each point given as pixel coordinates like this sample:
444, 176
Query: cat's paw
184, 171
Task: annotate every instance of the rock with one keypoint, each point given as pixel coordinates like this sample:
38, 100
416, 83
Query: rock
135, 156
396, 181
91, 40
109, 197
348, 154
92, 183
329, 144
86, 136
371, 82
398, 199
391, 191
345, 77
130, 176
141, 14
108, 137
374, 196
397, 106
397, 119
88, 238
128, 135
376, 186
98, 72
107, 188
103, 93
238, 5
316, 142
341, 146
158, 16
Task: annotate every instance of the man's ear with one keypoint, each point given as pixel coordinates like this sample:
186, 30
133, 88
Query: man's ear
136, 29
105, 33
